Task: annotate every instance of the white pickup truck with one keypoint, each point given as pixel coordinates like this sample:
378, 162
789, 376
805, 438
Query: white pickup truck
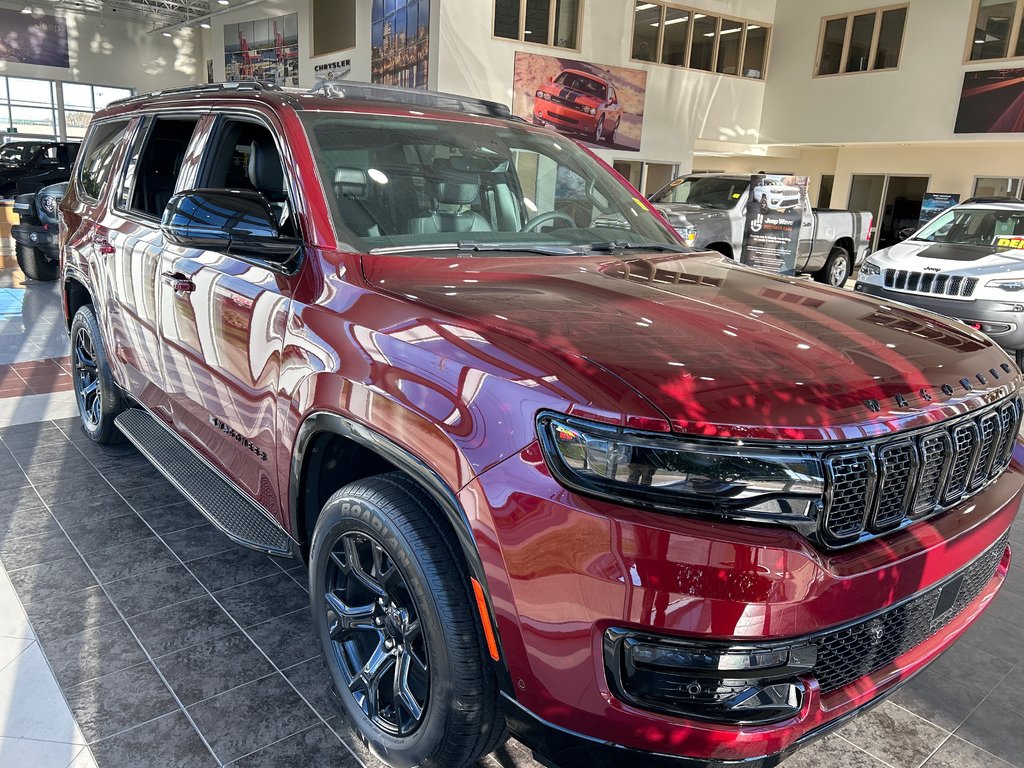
709, 211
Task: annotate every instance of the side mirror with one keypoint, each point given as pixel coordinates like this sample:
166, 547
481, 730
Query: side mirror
905, 232
238, 222
47, 162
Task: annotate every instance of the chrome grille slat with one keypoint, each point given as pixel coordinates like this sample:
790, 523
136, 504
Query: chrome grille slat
955, 286
890, 483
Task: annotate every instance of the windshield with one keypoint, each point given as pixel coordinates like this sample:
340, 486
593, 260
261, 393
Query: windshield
581, 83
415, 183
18, 152
715, 192
973, 226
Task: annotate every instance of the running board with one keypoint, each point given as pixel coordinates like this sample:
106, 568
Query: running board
236, 515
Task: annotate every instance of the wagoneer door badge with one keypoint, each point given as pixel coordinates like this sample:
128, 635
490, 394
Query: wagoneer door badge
244, 441
901, 401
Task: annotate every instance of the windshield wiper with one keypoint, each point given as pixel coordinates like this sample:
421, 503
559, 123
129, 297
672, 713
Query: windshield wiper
611, 246
469, 246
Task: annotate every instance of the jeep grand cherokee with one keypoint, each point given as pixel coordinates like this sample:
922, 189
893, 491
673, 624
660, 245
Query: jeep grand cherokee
551, 472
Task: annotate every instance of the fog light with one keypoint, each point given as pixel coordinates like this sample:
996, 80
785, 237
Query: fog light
717, 682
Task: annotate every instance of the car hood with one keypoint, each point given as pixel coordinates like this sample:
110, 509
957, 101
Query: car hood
949, 257
570, 94
718, 348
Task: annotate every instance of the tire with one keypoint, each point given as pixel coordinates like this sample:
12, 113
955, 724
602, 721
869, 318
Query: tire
837, 268
98, 397
407, 602
613, 137
34, 263
599, 130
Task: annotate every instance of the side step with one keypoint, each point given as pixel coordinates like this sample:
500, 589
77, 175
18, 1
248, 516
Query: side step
231, 511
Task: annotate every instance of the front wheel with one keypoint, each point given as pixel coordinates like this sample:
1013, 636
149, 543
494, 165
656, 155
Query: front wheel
393, 610
34, 263
837, 268
99, 399
599, 130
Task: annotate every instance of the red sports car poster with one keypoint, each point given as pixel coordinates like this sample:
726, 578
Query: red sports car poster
603, 106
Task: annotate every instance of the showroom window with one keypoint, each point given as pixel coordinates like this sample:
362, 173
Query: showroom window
860, 42
546, 22
996, 33
996, 186
51, 109
683, 37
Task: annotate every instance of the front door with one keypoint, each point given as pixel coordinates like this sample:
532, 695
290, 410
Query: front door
224, 321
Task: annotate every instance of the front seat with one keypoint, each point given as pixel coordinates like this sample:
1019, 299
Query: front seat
266, 174
453, 192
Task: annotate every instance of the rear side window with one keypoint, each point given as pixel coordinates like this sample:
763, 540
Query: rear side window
100, 150
156, 173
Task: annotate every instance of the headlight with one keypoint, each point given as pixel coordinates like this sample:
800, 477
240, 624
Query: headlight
590, 110
867, 269
722, 478
48, 203
1007, 285
542, 95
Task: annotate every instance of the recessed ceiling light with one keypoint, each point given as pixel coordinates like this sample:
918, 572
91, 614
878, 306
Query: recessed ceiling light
205, 25
223, 2
166, 34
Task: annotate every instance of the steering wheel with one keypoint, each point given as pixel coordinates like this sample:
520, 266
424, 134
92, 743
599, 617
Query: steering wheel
546, 218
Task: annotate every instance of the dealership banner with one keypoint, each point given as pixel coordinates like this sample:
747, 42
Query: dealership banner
771, 238
991, 101
603, 106
265, 49
935, 203
33, 38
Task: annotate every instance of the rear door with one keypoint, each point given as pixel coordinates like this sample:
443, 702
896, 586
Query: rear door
223, 328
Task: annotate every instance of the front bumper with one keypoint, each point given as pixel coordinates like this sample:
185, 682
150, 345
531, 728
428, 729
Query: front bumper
564, 569
1001, 320
547, 112
36, 236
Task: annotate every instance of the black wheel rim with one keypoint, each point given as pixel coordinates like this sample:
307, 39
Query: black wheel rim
376, 635
87, 378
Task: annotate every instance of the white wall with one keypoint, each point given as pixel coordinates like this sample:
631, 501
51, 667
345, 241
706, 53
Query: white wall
681, 105
916, 102
119, 53
359, 55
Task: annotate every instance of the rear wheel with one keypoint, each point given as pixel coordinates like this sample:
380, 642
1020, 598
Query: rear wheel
394, 614
99, 399
34, 263
837, 268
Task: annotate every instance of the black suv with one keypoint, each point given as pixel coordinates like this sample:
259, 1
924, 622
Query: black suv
28, 166
36, 238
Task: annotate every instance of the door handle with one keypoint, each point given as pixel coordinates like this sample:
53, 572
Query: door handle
101, 245
179, 283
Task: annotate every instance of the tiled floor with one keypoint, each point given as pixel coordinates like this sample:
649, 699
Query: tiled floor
171, 646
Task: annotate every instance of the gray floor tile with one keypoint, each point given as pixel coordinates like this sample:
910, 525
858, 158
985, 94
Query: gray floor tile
172, 517
155, 589
1009, 607
831, 752
213, 666
28, 551
231, 568
997, 729
1010, 692
894, 735
17, 522
181, 625
262, 600
971, 667
249, 718
70, 612
938, 699
167, 742
132, 559
313, 681
198, 541
154, 495
956, 753
102, 506
316, 747
287, 640
100, 534
93, 653
118, 701
72, 490
43, 582
996, 637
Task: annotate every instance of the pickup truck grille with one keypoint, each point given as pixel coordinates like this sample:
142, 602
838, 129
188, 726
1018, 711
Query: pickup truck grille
957, 286
849, 653
885, 485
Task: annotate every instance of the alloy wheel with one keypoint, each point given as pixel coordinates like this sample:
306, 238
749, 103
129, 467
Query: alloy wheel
839, 272
376, 634
87, 378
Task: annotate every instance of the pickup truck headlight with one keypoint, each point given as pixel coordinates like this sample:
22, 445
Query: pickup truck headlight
724, 479
1010, 284
867, 269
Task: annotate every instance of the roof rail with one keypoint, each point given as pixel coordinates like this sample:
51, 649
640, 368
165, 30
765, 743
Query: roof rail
412, 96
242, 85
992, 200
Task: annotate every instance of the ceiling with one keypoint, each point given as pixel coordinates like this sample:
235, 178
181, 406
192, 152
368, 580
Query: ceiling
157, 12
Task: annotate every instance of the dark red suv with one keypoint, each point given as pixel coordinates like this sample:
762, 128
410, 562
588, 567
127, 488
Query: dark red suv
551, 472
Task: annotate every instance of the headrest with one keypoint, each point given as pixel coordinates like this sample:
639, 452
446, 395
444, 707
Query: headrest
451, 186
265, 170
350, 182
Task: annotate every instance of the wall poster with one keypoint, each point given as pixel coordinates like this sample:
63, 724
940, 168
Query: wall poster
934, 203
265, 49
400, 43
991, 101
775, 210
33, 38
603, 106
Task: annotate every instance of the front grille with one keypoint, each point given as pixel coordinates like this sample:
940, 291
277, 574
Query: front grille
571, 104
955, 286
848, 654
885, 485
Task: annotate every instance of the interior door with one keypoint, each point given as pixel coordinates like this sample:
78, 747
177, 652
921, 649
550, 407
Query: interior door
223, 326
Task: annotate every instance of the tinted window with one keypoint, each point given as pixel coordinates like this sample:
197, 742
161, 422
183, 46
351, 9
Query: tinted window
157, 171
716, 192
101, 148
